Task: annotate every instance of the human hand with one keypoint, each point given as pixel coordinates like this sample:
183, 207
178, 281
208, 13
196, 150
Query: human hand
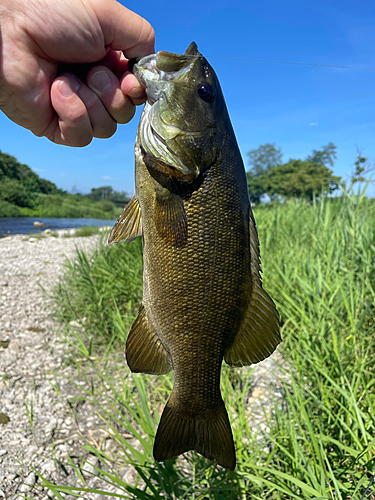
37, 36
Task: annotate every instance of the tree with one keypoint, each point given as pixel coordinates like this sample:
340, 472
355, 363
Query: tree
300, 179
361, 168
101, 193
264, 158
256, 185
325, 156
13, 191
11, 168
108, 193
121, 196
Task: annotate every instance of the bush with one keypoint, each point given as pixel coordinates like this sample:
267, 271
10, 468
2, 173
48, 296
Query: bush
9, 210
106, 206
14, 192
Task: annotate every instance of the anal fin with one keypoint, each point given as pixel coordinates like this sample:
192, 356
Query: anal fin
129, 225
144, 351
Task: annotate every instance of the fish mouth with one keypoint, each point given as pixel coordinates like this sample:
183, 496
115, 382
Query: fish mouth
153, 69
166, 65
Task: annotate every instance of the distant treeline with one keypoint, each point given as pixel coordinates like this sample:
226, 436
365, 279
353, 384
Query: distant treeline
299, 179
23, 193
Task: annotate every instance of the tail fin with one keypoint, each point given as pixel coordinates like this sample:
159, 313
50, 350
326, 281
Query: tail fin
208, 434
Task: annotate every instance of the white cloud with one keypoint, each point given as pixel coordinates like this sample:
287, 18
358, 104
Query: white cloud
313, 124
39, 170
107, 177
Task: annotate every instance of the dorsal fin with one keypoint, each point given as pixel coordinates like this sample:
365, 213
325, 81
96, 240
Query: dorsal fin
192, 50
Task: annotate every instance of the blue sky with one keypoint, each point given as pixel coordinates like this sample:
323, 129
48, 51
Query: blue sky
299, 108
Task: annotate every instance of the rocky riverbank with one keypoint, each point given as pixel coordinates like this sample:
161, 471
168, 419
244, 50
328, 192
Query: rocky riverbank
37, 424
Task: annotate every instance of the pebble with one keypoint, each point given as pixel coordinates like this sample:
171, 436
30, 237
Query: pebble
88, 468
13, 346
29, 481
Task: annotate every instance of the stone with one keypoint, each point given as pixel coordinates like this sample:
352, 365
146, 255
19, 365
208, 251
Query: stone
48, 466
29, 482
4, 419
88, 468
13, 346
52, 424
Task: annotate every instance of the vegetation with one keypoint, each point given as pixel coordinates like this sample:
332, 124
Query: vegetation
70, 205
302, 179
83, 231
24, 194
109, 194
319, 441
264, 159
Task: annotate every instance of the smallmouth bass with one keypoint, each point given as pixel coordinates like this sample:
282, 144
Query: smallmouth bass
203, 299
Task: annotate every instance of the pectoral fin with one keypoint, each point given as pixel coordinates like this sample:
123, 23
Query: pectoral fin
128, 225
170, 218
259, 333
144, 351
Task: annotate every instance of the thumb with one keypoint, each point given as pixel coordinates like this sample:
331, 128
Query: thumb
124, 30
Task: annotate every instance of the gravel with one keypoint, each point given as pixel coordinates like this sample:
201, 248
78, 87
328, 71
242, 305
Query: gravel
38, 430
41, 430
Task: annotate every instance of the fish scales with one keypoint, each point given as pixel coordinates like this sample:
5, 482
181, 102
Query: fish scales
213, 265
203, 299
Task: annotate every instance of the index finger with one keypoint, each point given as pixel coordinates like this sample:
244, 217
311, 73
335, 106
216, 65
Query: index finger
125, 30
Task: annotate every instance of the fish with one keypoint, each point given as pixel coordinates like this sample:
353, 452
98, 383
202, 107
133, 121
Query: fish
203, 299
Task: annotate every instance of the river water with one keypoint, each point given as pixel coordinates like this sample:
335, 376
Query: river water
25, 225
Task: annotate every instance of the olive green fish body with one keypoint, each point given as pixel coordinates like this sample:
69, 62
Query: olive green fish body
203, 299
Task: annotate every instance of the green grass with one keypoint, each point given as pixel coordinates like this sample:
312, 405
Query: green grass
319, 267
102, 291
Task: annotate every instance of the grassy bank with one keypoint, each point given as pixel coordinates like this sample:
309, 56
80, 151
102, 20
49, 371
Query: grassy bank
71, 206
62, 205
318, 263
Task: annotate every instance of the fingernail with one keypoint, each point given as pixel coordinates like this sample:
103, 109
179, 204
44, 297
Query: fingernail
68, 88
101, 81
136, 92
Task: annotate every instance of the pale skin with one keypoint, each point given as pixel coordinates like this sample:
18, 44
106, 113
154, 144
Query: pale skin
38, 93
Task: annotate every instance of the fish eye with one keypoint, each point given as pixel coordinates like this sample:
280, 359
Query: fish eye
205, 91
